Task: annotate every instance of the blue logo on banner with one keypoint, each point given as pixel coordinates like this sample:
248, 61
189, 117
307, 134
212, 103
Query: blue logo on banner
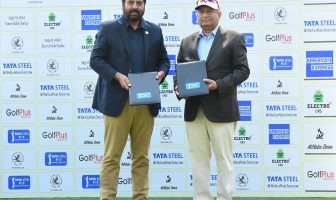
55, 159
19, 182
245, 110
172, 59
319, 64
90, 181
249, 39
279, 133
281, 63
18, 136
91, 19
194, 17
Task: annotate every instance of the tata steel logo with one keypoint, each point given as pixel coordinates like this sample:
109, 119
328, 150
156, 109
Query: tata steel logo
323, 22
86, 110
172, 38
17, 43
247, 84
171, 109
54, 87
281, 107
21, 65
292, 179
246, 155
19, 182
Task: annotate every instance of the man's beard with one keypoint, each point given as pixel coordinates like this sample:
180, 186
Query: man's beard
134, 15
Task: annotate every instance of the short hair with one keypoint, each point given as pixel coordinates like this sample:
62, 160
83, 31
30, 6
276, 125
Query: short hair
123, 1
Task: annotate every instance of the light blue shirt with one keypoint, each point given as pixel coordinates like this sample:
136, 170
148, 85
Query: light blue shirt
204, 43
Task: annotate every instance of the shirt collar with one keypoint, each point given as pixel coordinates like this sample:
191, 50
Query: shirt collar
213, 32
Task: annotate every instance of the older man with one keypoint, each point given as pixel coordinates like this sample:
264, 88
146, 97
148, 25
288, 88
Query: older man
211, 119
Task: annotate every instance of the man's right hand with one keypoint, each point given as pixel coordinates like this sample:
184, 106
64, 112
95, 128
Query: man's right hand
176, 91
123, 80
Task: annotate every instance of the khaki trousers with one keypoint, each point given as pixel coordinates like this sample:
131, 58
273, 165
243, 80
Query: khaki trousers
202, 136
137, 121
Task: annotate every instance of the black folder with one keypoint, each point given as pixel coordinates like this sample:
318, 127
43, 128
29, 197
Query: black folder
190, 77
145, 88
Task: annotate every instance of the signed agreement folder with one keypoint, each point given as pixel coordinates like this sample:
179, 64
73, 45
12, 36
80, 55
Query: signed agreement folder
145, 88
190, 77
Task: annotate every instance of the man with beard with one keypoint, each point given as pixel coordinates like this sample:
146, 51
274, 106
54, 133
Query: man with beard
128, 44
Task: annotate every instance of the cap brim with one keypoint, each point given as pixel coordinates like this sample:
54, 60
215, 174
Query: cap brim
203, 4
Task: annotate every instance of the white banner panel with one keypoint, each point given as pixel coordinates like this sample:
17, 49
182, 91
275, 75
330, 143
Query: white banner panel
52, 139
319, 176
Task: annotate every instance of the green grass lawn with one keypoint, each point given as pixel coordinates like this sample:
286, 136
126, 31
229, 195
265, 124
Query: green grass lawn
185, 198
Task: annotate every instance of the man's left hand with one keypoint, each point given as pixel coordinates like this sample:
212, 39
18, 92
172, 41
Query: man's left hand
211, 84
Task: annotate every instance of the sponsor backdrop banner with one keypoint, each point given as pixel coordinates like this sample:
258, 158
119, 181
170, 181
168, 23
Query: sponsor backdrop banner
51, 141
